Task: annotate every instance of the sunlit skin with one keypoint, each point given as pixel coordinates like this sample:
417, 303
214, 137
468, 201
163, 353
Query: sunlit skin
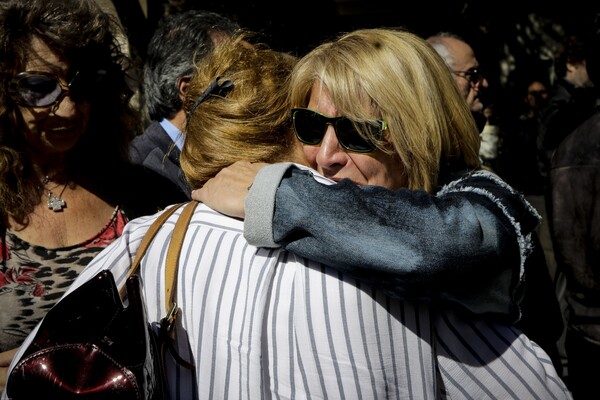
337, 163
54, 130
228, 189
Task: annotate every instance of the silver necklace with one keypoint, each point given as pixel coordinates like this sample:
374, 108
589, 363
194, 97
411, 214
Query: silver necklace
55, 203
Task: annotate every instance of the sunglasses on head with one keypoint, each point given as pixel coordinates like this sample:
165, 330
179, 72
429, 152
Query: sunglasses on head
310, 127
43, 89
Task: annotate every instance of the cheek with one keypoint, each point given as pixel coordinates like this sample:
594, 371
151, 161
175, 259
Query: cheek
85, 113
29, 122
465, 88
310, 153
25, 115
382, 170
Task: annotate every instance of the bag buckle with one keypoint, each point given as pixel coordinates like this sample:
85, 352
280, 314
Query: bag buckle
170, 317
168, 337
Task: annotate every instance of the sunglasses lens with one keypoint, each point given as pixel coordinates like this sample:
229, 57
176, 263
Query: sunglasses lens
475, 76
38, 90
351, 139
309, 126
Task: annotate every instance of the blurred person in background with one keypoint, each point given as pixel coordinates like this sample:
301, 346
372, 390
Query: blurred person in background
572, 99
471, 82
179, 41
574, 181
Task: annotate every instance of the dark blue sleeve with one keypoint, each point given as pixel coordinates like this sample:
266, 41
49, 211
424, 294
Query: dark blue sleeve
466, 245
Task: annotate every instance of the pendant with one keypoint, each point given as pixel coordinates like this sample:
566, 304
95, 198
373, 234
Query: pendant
55, 203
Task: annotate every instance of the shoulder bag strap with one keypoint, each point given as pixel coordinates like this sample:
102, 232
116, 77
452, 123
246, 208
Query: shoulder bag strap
171, 268
146, 241
173, 254
167, 324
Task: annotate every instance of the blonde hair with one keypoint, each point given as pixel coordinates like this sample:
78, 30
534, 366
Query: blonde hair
396, 76
250, 122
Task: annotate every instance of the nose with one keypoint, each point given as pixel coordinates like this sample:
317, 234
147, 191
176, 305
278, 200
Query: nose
65, 106
331, 155
482, 83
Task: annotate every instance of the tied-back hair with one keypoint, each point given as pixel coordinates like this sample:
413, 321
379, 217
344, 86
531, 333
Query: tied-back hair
249, 121
85, 36
396, 76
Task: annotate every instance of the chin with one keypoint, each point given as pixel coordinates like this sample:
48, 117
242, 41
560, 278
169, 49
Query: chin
60, 143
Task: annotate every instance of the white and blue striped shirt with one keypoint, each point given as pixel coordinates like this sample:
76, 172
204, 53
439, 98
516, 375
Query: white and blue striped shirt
265, 323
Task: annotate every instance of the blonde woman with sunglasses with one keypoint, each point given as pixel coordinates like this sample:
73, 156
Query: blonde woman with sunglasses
411, 191
413, 212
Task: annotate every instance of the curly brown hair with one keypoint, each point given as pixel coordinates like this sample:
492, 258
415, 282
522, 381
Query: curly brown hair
85, 36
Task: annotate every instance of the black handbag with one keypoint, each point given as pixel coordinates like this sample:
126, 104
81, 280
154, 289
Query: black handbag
89, 346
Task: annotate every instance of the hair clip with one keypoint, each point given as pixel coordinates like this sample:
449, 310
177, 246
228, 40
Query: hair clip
214, 89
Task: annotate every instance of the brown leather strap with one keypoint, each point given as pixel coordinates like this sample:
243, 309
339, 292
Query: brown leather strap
146, 242
167, 324
173, 253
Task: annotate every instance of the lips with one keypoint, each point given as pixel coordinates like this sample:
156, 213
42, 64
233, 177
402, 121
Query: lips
63, 135
64, 130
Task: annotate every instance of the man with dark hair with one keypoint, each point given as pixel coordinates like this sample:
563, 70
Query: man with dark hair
178, 42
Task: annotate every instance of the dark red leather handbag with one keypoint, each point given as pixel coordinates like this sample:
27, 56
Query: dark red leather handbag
89, 346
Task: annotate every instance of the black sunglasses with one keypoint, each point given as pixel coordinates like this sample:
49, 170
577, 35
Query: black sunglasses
43, 89
310, 127
473, 75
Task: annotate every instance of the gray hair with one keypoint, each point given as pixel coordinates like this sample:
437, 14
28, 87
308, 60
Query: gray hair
439, 45
178, 42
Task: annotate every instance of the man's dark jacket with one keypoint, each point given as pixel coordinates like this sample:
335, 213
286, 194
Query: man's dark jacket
155, 150
575, 223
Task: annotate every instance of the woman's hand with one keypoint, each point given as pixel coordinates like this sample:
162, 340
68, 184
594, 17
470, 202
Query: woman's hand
227, 191
5, 359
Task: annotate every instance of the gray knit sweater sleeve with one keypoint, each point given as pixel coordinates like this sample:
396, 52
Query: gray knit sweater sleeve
260, 205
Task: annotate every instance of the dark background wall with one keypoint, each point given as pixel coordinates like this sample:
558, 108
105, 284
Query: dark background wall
512, 39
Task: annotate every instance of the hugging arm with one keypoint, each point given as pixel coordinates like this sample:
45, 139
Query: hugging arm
467, 244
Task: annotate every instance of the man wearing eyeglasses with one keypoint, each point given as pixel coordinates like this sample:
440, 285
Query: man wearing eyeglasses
463, 64
460, 59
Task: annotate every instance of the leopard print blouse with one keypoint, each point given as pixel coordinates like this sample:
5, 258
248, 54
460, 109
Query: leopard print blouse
33, 278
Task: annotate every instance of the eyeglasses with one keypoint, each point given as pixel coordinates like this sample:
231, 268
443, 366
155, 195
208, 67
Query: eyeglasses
43, 89
538, 93
473, 75
311, 126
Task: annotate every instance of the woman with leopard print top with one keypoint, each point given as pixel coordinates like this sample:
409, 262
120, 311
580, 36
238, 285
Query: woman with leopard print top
66, 186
